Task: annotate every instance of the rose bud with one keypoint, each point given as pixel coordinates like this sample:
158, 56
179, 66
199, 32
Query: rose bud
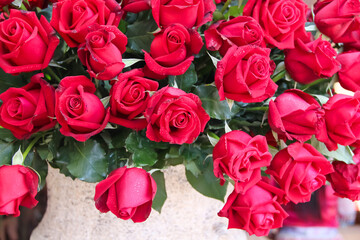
26, 44
127, 192
172, 49
190, 13
346, 179
128, 99
175, 116
338, 19
29, 109
256, 211
299, 169
102, 51
135, 6
238, 31
244, 74
296, 115
79, 111
342, 118
282, 21
18, 187
311, 61
71, 18
241, 157
348, 74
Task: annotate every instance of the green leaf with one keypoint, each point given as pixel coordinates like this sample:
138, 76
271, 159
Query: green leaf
186, 81
322, 99
234, 11
7, 80
206, 183
211, 103
34, 161
139, 35
6, 153
84, 160
161, 195
144, 153
6, 135
343, 153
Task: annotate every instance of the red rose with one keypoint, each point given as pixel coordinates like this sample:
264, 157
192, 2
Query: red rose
241, 157
256, 211
342, 118
175, 116
339, 20
300, 170
311, 61
244, 74
29, 109
296, 115
172, 49
5, 2
26, 44
127, 193
135, 6
238, 31
346, 180
129, 97
36, 3
102, 50
71, 18
79, 111
18, 187
349, 76
282, 20
190, 13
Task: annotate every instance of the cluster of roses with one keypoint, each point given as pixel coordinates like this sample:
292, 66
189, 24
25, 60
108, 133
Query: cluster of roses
170, 114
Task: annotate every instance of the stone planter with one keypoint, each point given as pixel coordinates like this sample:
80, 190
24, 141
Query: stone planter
186, 214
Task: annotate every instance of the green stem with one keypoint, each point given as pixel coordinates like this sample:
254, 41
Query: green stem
31, 145
52, 73
278, 76
227, 3
254, 109
314, 83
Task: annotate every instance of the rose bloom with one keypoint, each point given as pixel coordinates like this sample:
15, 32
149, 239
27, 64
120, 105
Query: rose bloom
241, 157
244, 74
342, 118
102, 51
129, 97
299, 169
127, 192
79, 111
71, 18
135, 6
190, 13
26, 44
175, 116
18, 187
339, 20
172, 49
346, 179
256, 211
239, 31
282, 20
311, 61
29, 109
296, 115
349, 74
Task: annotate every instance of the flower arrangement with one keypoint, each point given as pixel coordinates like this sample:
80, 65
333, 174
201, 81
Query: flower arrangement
244, 93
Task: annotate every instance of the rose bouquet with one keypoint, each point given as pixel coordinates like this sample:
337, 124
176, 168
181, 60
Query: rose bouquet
244, 93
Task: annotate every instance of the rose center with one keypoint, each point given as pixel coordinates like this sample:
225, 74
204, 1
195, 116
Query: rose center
97, 41
14, 108
79, 8
75, 106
